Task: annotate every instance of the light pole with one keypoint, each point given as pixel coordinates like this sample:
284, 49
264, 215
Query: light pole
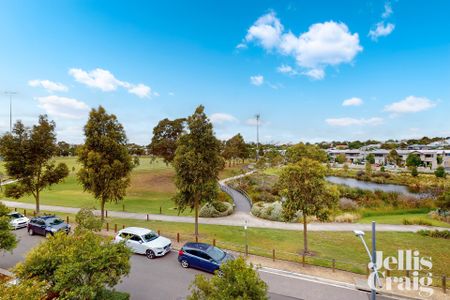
246, 238
10, 93
372, 258
257, 136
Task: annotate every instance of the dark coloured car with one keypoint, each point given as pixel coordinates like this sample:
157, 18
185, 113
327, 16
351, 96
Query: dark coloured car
202, 256
46, 225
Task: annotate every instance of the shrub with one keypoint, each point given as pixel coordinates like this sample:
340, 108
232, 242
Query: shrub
347, 204
216, 209
86, 219
440, 172
443, 234
347, 218
414, 172
417, 222
269, 211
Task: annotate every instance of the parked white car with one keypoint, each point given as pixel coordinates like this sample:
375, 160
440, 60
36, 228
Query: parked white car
144, 241
17, 220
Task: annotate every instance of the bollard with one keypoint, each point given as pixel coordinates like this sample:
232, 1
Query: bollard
34, 213
24, 212
123, 206
273, 254
196, 238
303, 259
67, 219
246, 250
159, 233
214, 242
106, 213
147, 217
15, 208
444, 284
123, 226
160, 210
115, 227
107, 226
178, 237
334, 265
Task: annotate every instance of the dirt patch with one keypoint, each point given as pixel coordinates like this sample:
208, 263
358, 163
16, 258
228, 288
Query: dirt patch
162, 181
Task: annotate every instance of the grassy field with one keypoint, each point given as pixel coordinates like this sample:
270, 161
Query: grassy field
152, 187
398, 219
342, 246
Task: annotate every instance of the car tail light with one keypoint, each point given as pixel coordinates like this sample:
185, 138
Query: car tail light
180, 252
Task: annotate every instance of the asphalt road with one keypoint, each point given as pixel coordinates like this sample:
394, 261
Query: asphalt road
163, 278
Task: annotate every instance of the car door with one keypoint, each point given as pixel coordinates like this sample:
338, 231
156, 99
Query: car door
199, 260
133, 243
40, 227
137, 244
208, 264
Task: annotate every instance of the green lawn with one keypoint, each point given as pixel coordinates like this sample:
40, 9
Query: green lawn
398, 219
342, 246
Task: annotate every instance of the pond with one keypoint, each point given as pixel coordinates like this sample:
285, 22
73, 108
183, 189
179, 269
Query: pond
366, 185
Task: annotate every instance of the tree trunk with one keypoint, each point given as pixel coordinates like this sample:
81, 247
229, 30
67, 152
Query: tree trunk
196, 215
37, 201
305, 235
102, 204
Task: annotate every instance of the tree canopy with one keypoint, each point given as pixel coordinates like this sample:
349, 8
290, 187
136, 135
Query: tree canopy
305, 188
235, 147
27, 154
76, 266
165, 137
296, 152
236, 281
106, 163
197, 164
8, 240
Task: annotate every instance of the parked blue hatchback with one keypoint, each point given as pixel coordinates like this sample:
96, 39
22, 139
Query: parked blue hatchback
202, 256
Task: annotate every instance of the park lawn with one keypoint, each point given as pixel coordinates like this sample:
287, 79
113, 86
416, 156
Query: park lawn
398, 219
344, 247
152, 188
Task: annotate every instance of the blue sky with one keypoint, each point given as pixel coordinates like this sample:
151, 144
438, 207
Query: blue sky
314, 70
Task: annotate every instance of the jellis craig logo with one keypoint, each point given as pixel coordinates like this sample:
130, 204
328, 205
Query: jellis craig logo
420, 276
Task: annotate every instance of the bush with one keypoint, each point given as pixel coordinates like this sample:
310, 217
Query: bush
443, 234
216, 209
347, 218
440, 172
86, 219
416, 222
112, 295
347, 204
269, 211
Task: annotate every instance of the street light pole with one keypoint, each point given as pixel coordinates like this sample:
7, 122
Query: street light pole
257, 136
10, 93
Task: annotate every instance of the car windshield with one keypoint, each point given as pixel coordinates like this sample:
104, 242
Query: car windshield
15, 216
149, 236
54, 221
215, 253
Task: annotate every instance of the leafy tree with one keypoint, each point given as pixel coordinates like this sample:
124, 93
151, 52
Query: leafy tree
135, 149
296, 152
355, 145
24, 289
27, 155
8, 240
2, 177
440, 172
76, 266
394, 158
236, 281
274, 157
340, 158
235, 148
106, 163
413, 160
439, 159
368, 169
306, 190
370, 158
165, 137
86, 219
197, 164
443, 201
63, 149
414, 172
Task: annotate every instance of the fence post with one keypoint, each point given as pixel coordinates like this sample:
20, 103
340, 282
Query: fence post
160, 210
25, 212
123, 226
107, 226
147, 217
334, 265
214, 242
178, 237
15, 208
246, 250
303, 259
159, 233
34, 213
273, 254
115, 228
196, 238
444, 284
106, 212
123, 206
67, 219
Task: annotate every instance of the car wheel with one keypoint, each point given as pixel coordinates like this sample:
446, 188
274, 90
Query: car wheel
30, 231
184, 263
150, 254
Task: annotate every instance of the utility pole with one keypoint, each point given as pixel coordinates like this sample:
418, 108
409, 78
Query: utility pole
257, 136
10, 93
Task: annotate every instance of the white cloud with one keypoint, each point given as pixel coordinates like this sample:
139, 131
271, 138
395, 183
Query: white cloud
257, 80
410, 104
316, 74
354, 101
107, 82
324, 44
63, 107
219, 118
381, 29
140, 90
171, 94
286, 69
343, 122
266, 31
387, 10
50, 86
